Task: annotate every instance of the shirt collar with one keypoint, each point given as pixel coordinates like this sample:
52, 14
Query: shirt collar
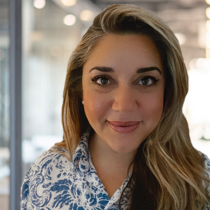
81, 157
82, 163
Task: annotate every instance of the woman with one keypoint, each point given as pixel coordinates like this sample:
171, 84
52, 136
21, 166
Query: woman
126, 142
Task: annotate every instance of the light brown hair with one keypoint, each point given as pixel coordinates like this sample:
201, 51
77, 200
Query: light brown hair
176, 166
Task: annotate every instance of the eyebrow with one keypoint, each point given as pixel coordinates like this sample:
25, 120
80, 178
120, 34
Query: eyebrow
140, 70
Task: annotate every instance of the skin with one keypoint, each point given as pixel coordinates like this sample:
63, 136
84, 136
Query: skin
121, 95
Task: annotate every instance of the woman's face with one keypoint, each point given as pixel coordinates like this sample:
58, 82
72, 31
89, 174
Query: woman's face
123, 90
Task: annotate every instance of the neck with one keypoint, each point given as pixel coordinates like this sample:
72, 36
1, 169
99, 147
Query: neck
104, 156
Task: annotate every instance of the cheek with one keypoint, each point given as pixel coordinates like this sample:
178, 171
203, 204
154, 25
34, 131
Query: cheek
95, 105
153, 106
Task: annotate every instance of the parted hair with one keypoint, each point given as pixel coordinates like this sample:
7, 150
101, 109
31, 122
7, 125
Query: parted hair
168, 172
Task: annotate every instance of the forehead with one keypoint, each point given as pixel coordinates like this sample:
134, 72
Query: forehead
124, 51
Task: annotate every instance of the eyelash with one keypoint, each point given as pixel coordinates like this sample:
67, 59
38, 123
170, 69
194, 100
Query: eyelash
94, 79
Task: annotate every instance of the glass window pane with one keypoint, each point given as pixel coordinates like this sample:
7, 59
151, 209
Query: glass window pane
4, 106
48, 41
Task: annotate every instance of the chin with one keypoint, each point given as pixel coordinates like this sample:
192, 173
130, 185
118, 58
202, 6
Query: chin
124, 148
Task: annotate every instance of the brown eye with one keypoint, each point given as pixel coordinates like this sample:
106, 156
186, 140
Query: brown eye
101, 80
147, 81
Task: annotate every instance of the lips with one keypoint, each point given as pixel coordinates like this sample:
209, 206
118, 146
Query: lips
123, 127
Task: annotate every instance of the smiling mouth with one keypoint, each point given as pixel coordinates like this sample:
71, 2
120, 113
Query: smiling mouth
123, 127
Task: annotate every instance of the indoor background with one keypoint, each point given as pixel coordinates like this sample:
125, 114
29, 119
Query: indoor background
49, 32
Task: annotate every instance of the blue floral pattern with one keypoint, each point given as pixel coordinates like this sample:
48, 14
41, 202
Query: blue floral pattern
53, 182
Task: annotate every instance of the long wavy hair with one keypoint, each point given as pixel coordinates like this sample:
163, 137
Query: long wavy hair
168, 172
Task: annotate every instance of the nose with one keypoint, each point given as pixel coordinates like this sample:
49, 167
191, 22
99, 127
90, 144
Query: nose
125, 100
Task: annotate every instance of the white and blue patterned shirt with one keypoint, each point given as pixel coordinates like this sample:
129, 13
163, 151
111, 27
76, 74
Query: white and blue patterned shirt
53, 182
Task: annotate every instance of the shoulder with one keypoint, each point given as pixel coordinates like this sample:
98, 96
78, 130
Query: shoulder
46, 169
53, 159
207, 163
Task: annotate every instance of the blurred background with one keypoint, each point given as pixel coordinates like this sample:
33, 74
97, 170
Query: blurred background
51, 29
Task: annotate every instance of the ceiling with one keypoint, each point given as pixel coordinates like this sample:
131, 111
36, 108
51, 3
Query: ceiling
154, 5
186, 17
